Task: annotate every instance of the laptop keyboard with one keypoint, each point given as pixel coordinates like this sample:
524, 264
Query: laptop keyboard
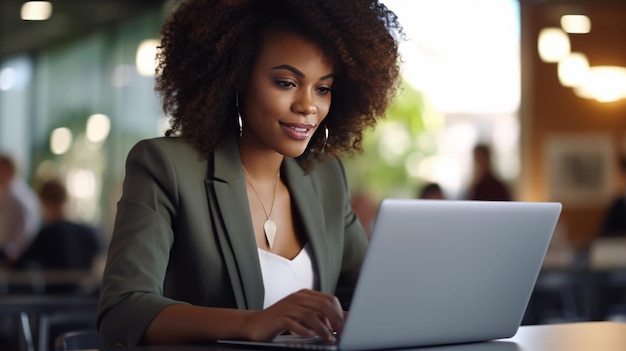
314, 343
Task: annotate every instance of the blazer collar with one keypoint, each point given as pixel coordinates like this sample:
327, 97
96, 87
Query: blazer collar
233, 211
309, 207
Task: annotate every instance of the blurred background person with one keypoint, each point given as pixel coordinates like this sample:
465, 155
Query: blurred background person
486, 185
19, 211
431, 191
614, 222
61, 243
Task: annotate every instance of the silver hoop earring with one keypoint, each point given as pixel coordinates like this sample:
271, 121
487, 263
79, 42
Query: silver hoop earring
325, 138
239, 119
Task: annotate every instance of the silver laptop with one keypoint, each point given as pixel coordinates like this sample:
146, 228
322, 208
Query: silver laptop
442, 272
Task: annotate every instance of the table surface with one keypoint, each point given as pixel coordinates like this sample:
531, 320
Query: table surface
42, 281
15, 304
587, 336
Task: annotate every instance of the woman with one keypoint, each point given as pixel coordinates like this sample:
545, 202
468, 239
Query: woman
238, 223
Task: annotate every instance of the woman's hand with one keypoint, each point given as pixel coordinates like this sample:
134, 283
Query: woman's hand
305, 313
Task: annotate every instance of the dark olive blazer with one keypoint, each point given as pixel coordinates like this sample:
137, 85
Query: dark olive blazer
183, 234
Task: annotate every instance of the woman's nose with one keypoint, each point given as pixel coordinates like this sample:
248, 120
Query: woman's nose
304, 105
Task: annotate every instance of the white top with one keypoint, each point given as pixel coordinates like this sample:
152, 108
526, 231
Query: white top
282, 276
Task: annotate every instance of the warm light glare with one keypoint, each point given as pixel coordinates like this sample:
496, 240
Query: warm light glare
576, 24
441, 169
604, 83
553, 44
81, 183
466, 60
573, 69
146, 57
98, 128
60, 140
36, 10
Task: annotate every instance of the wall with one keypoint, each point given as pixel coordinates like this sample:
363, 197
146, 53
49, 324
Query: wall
550, 110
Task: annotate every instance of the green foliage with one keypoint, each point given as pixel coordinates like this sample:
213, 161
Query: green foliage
381, 170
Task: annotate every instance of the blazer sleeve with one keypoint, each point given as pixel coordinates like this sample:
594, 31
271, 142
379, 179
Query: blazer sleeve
355, 241
132, 286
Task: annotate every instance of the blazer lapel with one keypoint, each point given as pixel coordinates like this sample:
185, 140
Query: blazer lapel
226, 190
233, 226
308, 206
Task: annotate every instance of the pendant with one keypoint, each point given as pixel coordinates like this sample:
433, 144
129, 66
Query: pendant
270, 231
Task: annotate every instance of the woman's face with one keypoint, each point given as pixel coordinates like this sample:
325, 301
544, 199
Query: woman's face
287, 95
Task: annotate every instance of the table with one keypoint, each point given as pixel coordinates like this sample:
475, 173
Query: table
16, 304
584, 336
43, 281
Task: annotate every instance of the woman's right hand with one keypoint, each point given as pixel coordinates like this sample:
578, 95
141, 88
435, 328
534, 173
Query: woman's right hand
305, 313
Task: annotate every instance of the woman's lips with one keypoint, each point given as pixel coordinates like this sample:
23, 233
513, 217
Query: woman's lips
298, 131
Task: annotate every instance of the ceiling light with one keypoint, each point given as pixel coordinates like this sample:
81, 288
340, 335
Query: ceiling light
573, 69
553, 44
81, 183
7, 78
576, 24
60, 140
604, 83
36, 10
98, 128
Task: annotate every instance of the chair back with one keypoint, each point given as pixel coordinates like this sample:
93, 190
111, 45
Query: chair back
51, 325
78, 340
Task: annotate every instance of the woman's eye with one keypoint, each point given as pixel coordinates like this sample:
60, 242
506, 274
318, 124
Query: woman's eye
285, 84
323, 90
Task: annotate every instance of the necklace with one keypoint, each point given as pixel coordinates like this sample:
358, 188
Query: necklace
269, 227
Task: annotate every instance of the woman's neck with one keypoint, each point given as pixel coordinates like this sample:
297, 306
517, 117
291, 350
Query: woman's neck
262, 165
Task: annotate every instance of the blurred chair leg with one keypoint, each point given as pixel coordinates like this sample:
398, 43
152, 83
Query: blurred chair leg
571, 311
26, 339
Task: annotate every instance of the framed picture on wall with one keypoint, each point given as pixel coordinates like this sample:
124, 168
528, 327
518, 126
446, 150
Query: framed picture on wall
580, 168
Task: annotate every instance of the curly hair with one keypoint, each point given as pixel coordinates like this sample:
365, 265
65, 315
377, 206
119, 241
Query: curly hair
208, 47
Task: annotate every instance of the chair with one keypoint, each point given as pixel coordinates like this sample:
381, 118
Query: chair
51, 325
78, 340
555, 298
37, 314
